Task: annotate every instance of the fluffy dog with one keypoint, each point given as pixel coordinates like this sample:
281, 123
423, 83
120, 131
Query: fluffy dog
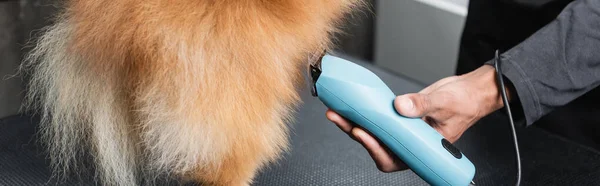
198, 89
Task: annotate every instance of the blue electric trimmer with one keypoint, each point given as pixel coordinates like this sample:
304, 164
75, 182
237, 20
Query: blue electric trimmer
360, 96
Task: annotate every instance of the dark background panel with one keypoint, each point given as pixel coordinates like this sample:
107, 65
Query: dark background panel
358, 37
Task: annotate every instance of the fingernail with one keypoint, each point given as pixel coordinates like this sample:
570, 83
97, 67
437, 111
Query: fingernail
358, 136
406, 103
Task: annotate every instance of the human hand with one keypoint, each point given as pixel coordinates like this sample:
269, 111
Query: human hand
450, 106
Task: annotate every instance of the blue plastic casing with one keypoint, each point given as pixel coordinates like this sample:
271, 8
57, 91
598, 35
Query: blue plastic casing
360, 96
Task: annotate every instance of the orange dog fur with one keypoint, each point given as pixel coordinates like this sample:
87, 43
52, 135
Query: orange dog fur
198, 89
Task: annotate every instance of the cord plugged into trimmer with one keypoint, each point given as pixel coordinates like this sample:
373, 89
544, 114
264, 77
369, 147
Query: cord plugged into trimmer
501, 85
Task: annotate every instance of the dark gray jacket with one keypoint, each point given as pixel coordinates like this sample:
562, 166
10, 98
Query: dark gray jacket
558, 63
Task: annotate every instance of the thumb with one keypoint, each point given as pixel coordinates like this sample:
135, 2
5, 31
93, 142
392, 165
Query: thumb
413, 105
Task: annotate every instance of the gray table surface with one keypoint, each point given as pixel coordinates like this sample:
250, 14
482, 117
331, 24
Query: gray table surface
322, 155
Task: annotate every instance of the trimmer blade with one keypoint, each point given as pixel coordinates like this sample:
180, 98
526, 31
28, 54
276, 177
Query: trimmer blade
313, 71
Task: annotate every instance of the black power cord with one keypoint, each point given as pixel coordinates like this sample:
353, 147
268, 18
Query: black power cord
500, 80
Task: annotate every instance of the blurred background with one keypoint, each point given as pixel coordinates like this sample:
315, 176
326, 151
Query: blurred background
415, 39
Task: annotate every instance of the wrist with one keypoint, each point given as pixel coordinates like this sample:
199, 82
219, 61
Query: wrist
486, 86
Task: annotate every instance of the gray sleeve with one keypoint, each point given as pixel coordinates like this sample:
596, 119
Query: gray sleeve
558, 63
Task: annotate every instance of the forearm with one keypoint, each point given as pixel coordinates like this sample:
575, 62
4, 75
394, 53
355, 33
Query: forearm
558, 63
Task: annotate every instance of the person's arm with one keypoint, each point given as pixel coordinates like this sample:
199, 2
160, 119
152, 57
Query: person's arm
558, 63
551, 68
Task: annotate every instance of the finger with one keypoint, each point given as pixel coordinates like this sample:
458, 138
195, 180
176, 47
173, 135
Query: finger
448, 133
431, 121
386, 161
440, 116
413, 105
452, 130
342, 123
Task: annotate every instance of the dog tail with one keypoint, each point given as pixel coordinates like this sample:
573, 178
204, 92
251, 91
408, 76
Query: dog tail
79, 108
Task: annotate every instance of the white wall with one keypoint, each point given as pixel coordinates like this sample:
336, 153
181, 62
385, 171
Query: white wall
419, 38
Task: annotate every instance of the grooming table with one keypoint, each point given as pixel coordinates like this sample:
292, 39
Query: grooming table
321, 154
